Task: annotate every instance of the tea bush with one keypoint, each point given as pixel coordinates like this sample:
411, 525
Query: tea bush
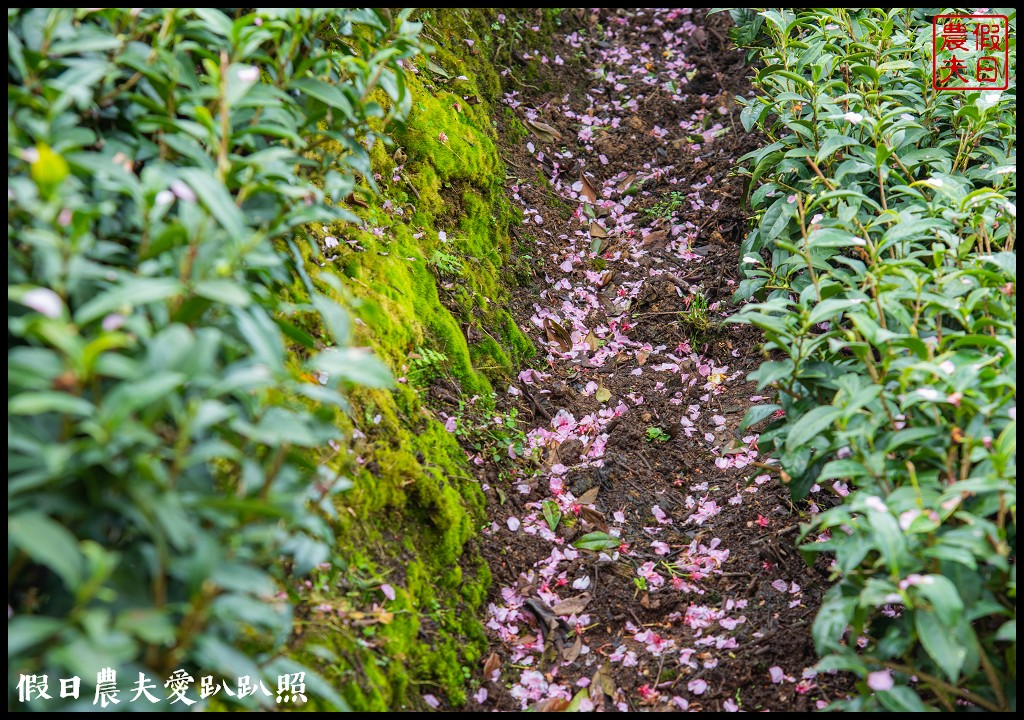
883, 274
170, 421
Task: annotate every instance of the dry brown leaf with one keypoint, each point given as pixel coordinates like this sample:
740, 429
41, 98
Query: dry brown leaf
625, 184
594, 518
641, 357
589, 191
592, 342
606, 277
547, 620
570, 653
472, 99
354, 199
596, 230
543, 131
590, 496
551, 705
654, 237
492, 666
558, 335
574, 605
603, 679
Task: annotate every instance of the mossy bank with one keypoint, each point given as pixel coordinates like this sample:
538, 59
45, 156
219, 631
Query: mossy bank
424, 274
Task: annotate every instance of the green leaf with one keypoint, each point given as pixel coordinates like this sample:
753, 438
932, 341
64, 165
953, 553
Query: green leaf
577, 700
226, 292
832, 144
834, 617
901, 699
940, 643
943, 596
1007, 632
552, 514
324, 92
756, 414
130, 293
334, 316
37, 403
27, 631
215, 197
355, 365
47, 543
214, 20
597, 541
810, 425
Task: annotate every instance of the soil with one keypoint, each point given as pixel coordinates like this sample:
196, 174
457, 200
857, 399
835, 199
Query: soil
700, 600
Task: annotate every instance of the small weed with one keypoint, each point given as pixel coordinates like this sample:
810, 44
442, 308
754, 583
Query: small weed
426, 365
499, 437
696, 314
667, 207
656, 434
445, 264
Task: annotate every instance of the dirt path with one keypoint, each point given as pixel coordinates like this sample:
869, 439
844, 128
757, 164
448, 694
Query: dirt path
693, 596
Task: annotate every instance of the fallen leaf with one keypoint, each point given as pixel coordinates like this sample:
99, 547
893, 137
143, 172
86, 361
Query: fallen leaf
472, 99
589, 191
558, 335
596, 230
606, 277
552, 514
552, 627
603, 679
590, 496
596, 541
577, 700
543, 131
594, 518
654, 237
354, 199
574, 605
596, 244
570, 653
641, 357
603, 395
625, 184
592, 342
647, 604
551, 705
437, 69
492, 666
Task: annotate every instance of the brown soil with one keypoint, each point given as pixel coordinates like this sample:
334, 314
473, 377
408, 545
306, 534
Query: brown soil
752, 625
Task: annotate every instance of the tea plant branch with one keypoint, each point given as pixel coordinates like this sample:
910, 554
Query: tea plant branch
817, 171
939, 683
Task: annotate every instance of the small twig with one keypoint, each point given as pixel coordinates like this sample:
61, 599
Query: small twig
665, 312
537, 406
814, 166
937, 683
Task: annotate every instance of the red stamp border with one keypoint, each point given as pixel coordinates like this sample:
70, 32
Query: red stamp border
935, 52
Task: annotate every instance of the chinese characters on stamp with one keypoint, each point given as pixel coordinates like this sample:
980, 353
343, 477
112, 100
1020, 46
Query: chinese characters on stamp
970, 52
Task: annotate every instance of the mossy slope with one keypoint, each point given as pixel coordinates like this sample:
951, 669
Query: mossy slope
423, 272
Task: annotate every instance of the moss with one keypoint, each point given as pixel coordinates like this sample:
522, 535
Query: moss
411, 518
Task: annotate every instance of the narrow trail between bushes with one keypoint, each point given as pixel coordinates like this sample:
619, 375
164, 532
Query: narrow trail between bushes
643, 556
